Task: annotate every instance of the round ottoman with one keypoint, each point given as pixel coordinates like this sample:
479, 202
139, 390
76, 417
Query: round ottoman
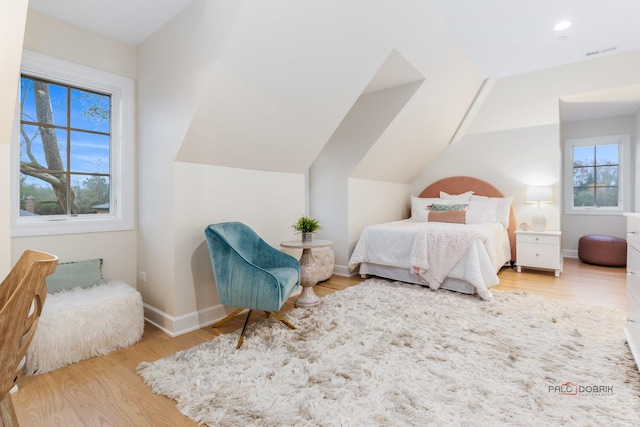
603, 250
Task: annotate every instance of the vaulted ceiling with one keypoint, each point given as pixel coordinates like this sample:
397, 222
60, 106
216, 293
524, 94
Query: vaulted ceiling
503, 37
290, 73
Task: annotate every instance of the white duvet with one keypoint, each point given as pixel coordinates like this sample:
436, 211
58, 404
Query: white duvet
434, 251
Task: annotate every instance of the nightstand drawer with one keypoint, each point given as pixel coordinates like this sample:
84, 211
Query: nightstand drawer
539, 239
633, 261
633, 232
535, 255
633, 302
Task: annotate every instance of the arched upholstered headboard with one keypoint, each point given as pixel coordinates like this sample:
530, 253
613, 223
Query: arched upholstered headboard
460, 184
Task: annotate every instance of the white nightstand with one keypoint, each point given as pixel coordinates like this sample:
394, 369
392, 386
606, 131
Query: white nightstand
539, 249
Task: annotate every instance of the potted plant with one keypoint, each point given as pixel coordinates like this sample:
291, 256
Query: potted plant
307, 226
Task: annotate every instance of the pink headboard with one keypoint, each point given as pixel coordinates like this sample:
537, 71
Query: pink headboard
460, 184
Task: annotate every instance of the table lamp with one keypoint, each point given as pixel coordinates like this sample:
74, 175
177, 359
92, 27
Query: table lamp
539, 194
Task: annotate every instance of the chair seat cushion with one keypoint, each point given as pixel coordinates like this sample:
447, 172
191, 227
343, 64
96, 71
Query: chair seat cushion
603, 250
287, 278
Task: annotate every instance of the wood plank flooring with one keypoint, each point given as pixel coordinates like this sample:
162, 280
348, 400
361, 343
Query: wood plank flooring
106, 391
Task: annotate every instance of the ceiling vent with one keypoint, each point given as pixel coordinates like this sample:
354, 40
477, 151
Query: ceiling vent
597, 52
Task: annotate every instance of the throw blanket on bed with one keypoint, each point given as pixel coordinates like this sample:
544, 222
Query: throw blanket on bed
435, 253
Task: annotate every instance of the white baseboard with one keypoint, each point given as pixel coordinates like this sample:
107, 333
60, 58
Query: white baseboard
343, 270
180, 325
570, 253
175, 326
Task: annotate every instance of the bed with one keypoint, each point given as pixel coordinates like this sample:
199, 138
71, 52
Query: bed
458, 251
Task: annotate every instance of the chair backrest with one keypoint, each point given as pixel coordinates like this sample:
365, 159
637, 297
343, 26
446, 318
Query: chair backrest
238, 236
22, 295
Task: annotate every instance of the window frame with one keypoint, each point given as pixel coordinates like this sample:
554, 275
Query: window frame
624, 174
122, 150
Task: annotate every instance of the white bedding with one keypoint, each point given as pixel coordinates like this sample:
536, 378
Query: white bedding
480, 250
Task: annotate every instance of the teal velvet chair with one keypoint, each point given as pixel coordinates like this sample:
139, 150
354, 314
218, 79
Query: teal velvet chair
250, 273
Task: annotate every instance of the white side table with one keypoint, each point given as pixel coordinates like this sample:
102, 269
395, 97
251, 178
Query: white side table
539, 249
308, 279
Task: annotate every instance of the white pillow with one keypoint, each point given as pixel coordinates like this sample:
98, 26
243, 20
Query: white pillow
475, 215
457, 198
420, 207
486, 205
503, 208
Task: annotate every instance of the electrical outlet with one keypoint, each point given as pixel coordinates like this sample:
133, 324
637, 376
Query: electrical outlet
142, 276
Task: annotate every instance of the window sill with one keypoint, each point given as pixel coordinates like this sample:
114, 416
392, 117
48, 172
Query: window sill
69, 226
595, 212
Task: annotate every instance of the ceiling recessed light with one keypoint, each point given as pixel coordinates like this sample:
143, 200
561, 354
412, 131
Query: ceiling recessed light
562, 25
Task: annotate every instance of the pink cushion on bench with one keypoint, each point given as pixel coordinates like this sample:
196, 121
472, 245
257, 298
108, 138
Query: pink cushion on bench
603, 250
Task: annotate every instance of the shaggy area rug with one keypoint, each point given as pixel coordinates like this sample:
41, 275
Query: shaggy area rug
393, 354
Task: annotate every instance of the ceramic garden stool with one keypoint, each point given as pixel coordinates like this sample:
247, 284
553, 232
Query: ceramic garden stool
603, 250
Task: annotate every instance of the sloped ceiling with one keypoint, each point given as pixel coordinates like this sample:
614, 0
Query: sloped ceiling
291, 71
130, 21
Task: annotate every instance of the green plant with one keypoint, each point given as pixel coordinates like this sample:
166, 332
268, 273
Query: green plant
306, 225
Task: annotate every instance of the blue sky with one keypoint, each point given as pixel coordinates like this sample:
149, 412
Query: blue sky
89, 151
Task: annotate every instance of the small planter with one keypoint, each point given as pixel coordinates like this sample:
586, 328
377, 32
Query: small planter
306, 226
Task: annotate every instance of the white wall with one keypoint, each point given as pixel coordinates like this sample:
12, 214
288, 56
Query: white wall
13, 15
117, 249
374, 202
61, 40
635, 152
268, 202
329, 173
64, 41
575, 226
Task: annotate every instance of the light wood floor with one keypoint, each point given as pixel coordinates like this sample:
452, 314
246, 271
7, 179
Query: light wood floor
105, 391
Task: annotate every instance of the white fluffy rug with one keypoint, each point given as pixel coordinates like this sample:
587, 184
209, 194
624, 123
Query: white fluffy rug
393, 354
80, 323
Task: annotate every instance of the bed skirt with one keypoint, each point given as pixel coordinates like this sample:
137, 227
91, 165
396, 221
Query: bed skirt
404, 275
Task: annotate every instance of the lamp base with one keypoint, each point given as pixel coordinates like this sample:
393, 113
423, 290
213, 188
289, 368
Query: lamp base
538, 222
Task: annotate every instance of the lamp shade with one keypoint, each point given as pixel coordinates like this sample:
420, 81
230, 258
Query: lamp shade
539, 194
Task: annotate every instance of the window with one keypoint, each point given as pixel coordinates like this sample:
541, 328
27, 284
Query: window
73, 150
65, 140
595, 171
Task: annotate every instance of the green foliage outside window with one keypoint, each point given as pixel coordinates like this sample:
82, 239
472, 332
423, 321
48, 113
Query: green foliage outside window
596, 176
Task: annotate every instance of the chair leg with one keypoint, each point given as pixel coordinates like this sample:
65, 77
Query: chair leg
8, 416
281, 318
244, 328
227, 318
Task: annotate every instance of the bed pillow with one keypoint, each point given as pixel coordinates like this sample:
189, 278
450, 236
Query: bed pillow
441, 207
486, 207
420, 206
457, 217
70, 275
457, 198
503, 208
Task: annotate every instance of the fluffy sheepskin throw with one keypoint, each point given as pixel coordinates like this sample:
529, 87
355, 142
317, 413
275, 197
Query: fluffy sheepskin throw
80, 323
392, 354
